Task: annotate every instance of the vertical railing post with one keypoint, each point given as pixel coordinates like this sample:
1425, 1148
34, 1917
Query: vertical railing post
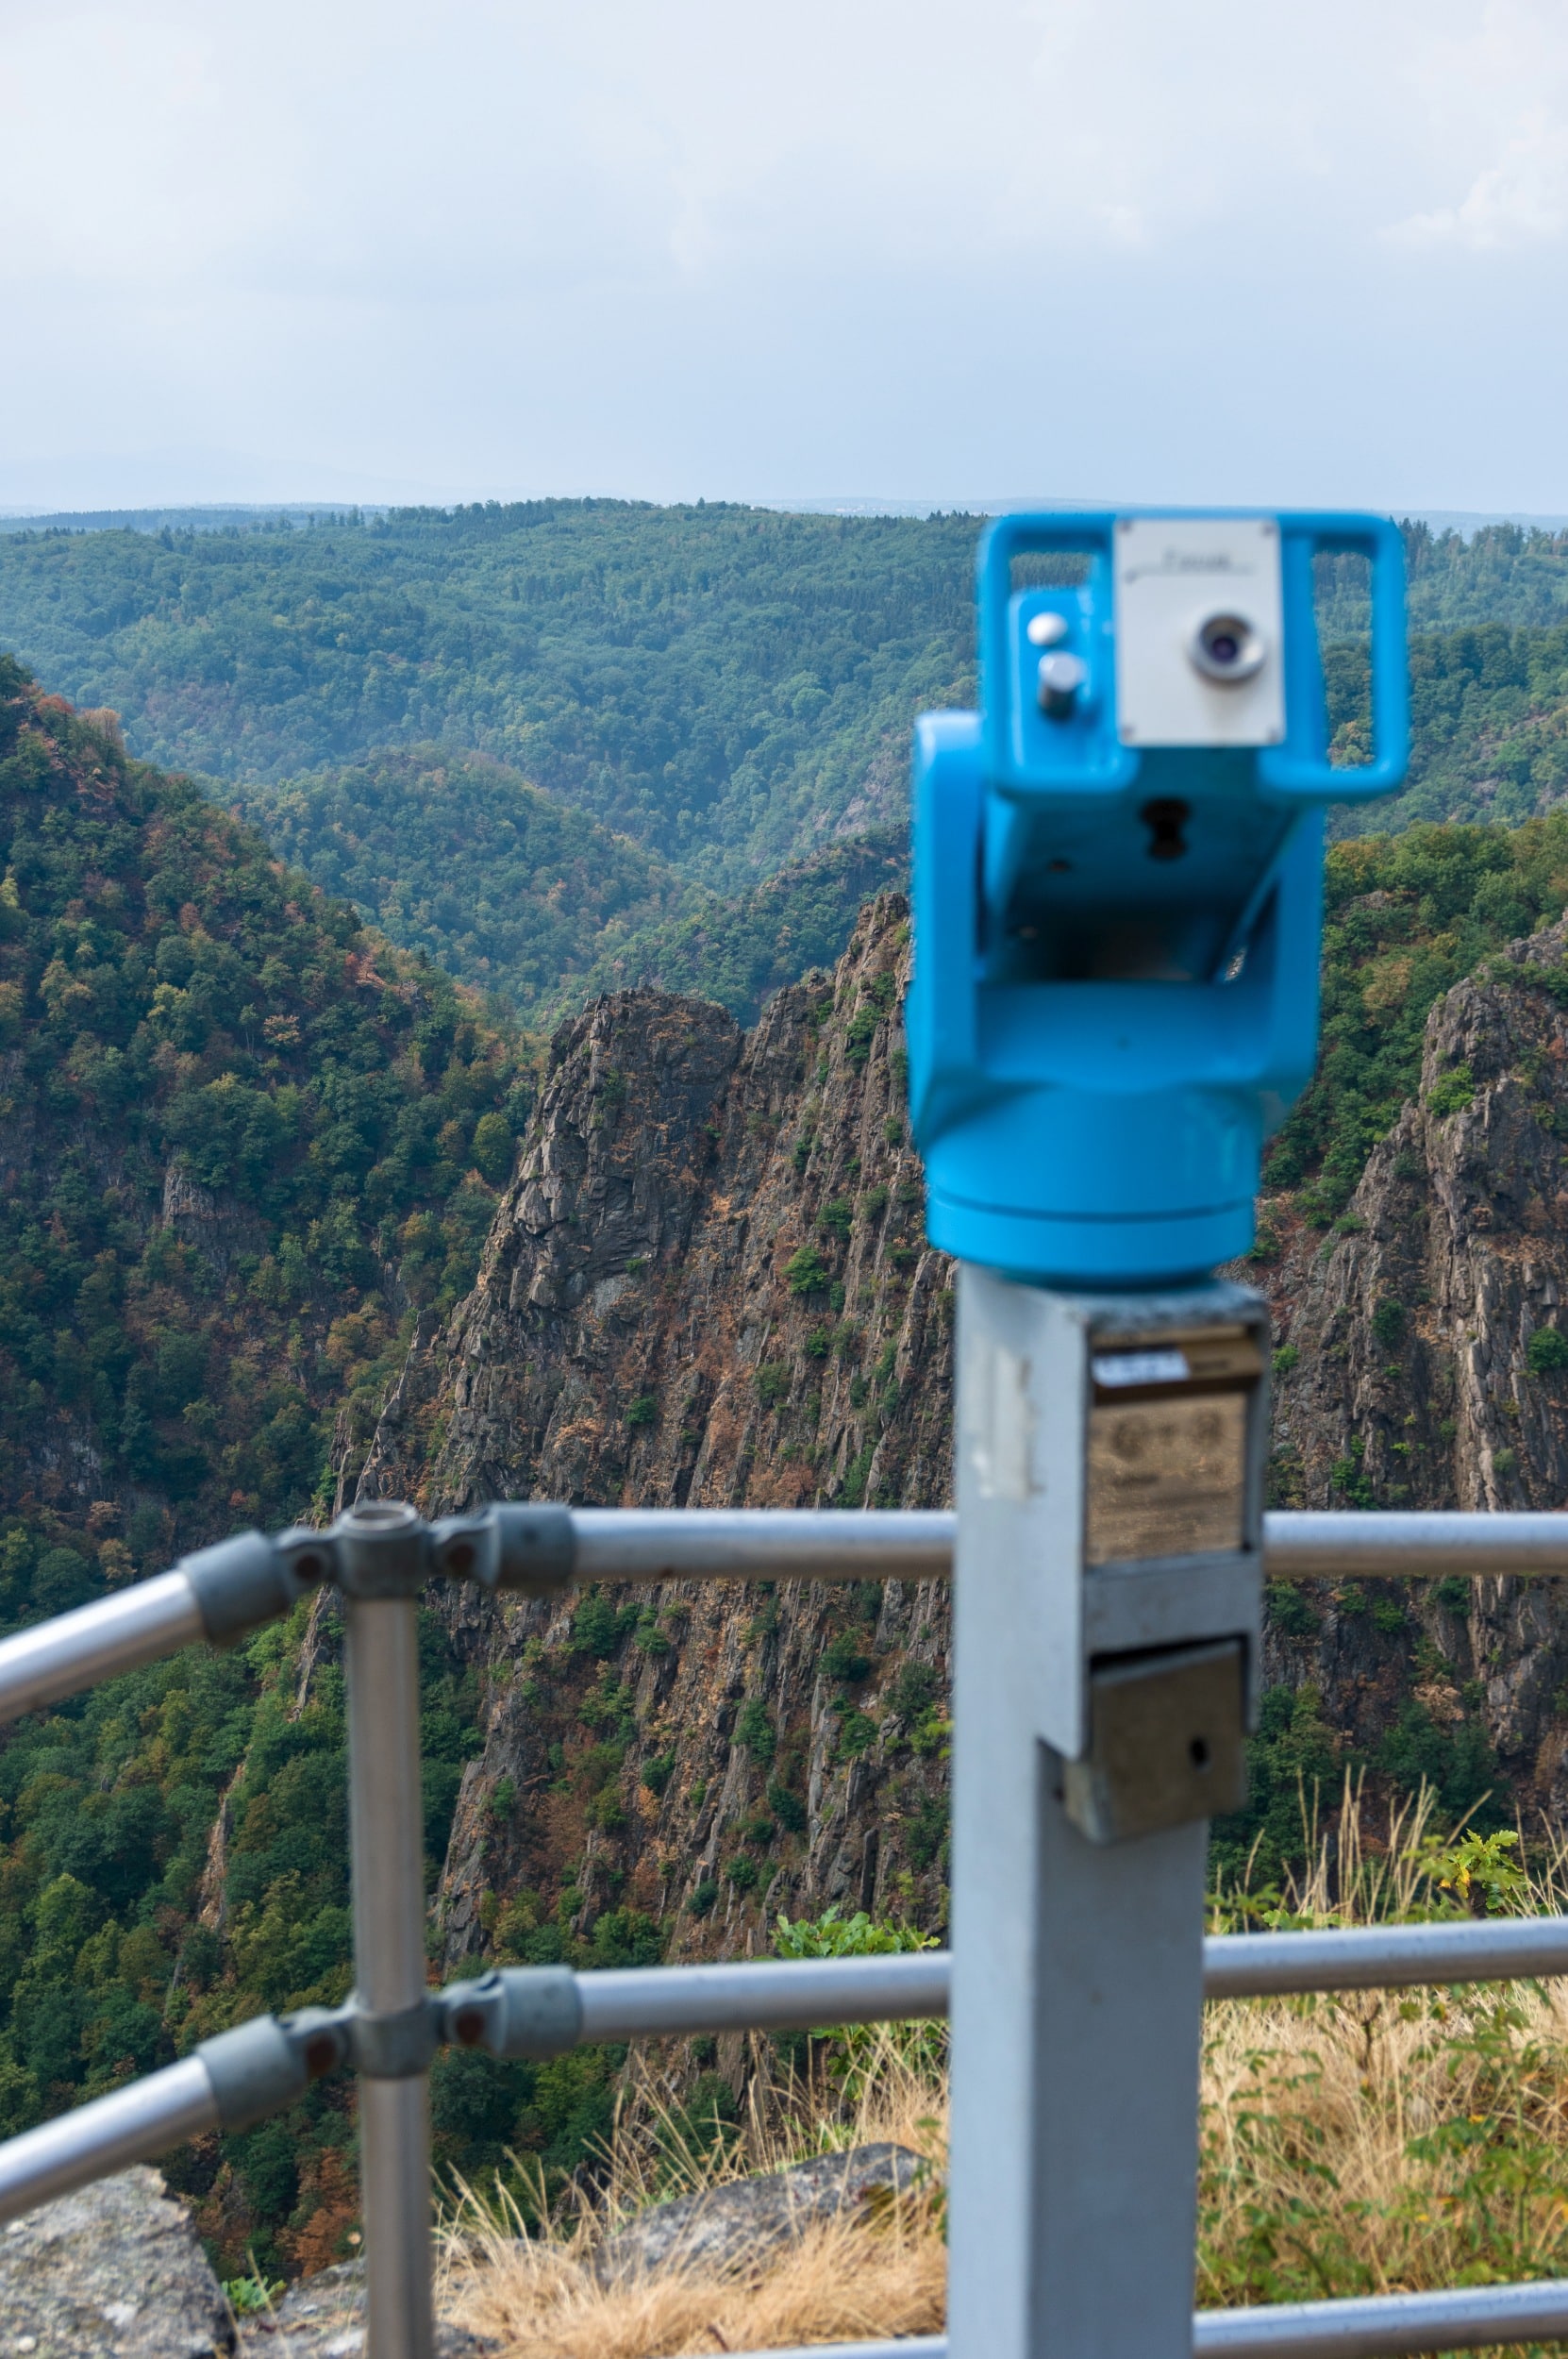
381, 1565
1106, 1610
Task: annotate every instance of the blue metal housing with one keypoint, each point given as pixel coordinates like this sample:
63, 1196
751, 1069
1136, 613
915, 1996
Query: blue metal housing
1112, 1009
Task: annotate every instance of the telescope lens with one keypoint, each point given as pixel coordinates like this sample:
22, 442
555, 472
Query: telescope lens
1226, 647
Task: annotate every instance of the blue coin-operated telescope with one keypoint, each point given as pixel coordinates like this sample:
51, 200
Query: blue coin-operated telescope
1118, 885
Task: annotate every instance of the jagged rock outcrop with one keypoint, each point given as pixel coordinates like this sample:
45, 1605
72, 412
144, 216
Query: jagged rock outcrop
1425, 1363
707, 1285
115, 2271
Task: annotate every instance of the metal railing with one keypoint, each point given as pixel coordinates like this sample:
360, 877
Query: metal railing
380, 1555
220, 1593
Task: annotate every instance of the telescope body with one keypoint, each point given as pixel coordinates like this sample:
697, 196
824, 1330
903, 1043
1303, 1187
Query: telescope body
1118, 868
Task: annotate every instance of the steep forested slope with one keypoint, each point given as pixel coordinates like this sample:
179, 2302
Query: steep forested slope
458, 856
520, 895
1406, 917
230, 1118
241, 1143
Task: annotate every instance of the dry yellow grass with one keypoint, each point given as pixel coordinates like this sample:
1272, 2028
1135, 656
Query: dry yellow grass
1374, 2143
538, 2297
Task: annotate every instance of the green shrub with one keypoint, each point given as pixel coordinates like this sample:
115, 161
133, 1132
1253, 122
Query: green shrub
806, 1271
597, 1629
643, 1410
1453, 1093
772, 1380
742, 1872
1289, 1612
754, 1729
859, 1034
492, 1148
703, 1898
1547, 1354
787, 1808
913, 1692
858, 1734
1387, 1322
836, 1217
844, 1657
658, 1771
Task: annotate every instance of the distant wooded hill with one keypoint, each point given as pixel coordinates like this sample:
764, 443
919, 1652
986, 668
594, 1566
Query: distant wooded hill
569, 743
712, 681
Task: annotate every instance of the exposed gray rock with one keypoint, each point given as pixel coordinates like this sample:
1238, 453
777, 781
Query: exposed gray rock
725, 2227
324, 2317
111, 2273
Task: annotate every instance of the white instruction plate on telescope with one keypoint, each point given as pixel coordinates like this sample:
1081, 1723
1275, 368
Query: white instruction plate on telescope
1199, 660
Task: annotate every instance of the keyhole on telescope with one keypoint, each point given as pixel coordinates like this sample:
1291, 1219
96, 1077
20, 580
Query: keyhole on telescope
1164, 818
1198, 1752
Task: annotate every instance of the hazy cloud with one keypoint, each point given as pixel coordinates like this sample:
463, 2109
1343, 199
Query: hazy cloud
1076, 246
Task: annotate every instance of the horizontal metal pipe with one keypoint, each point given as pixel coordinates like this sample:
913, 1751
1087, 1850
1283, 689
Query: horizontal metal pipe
777, 1994
761, 1544
1420, 1545
1382, 2326
133, 2125
1375, 1957
159, 1617
908, 1543
762, 1995
114, 1635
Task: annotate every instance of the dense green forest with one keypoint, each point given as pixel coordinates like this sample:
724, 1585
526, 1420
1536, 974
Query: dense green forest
242, 1143
703, 694
1406, 917
713, 681
458, 856
513, 891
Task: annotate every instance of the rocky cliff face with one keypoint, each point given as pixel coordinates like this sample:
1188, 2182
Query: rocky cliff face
1423, 1366
706, 1285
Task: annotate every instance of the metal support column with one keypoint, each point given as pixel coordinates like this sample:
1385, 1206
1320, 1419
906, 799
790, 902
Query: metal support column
1078, 1964
387, 1835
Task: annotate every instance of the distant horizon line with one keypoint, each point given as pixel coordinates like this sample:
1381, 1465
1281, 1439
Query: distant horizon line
165, 512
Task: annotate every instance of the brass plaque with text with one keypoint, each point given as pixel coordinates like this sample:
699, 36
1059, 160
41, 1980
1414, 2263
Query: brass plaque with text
1167, 1477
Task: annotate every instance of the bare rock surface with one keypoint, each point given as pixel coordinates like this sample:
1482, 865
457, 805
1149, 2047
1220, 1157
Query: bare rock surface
723, 2228
708, 1285
115, 2271
324, 2317
1422, 1371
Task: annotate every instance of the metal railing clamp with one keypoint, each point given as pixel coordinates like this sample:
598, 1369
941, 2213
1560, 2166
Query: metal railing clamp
525, 1550
380, 1548
534, 2011
250, 1579
393, 2046
261, 2066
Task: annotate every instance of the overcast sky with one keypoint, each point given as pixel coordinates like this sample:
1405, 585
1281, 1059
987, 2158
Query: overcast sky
946, 250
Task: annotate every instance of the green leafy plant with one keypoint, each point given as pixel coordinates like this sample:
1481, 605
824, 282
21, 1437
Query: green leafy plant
806, 1271
1453, 1093
1547, 1354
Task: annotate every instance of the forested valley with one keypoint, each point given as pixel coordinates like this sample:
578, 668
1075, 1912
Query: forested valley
274, 1014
